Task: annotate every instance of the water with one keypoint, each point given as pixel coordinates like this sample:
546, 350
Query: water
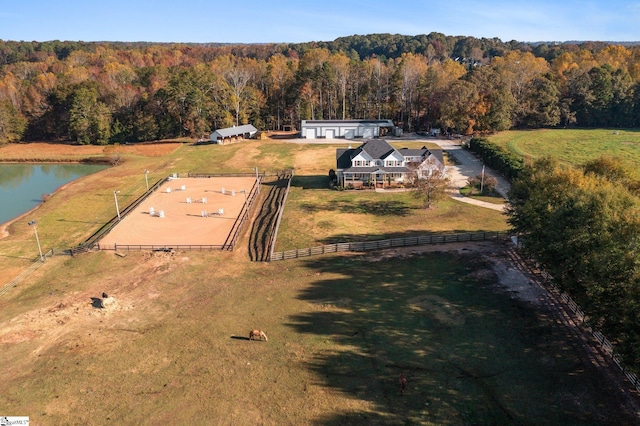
22, 186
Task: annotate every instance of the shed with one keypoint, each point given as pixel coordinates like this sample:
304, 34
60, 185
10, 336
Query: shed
347, 129
245, 131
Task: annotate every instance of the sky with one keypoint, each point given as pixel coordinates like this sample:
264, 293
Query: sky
298, 21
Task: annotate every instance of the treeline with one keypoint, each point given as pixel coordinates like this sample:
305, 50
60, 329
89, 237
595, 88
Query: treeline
102, 93
583, 225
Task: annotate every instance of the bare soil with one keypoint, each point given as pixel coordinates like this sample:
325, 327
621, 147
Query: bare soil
182, 223
40, 151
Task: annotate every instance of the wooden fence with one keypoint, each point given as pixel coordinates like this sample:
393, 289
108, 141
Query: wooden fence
164, 247
94, 240
243, 216
600, 338
274, 232
391, 243
37, 262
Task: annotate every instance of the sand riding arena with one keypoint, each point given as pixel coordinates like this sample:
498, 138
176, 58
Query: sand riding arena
204, 212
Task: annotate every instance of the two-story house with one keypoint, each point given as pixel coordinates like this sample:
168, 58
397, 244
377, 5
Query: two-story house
379, 164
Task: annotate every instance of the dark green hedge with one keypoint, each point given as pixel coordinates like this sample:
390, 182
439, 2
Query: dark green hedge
498, 158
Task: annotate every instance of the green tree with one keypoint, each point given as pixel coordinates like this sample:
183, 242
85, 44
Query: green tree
89, 119
458, 109
542, 104
12, 123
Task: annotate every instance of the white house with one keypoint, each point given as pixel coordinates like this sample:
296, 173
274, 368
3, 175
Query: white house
347, 129
377, 163
246, 131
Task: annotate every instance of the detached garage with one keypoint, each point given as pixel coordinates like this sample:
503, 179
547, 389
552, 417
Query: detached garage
347, 129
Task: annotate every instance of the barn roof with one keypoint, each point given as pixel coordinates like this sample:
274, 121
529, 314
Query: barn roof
235, 130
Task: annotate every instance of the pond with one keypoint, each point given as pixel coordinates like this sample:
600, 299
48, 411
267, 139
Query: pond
23, 186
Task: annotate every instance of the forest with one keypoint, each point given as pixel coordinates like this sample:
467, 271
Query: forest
583, 225
114, 92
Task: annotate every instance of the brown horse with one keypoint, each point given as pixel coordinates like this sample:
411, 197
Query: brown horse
257, 334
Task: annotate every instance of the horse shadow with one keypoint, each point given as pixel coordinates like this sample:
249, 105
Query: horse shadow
240, 337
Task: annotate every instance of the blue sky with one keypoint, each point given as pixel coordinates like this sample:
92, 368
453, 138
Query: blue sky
297, 21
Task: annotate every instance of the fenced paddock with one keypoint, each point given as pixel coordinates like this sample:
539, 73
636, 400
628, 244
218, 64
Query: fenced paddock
194, 213
390, 243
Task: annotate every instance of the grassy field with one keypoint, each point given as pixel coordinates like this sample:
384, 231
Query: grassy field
172, 344
573, 146
329, 217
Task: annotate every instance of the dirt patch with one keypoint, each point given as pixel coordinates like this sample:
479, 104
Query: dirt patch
512, 279
438, 308
42, 151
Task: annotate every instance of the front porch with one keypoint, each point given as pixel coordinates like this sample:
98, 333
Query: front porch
374, 179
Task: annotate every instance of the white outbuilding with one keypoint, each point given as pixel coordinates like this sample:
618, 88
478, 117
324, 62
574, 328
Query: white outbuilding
347, 129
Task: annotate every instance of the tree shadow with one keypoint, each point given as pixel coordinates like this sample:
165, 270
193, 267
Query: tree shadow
470, 352
310, 182
371, 207
410, 233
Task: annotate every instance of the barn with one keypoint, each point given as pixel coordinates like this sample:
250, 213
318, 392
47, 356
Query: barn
347, 129
221, 136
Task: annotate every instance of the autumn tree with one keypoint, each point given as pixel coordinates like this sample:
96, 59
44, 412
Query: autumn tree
431, 187
280, 74
584, 227
458, 109
339, 64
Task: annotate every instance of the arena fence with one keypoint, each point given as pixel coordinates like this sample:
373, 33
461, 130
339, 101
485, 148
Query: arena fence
242, 218
94, 241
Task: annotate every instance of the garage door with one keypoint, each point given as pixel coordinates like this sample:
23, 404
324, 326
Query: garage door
330, 134
310, 133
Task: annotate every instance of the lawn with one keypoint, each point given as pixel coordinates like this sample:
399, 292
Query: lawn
329, 217
573, 146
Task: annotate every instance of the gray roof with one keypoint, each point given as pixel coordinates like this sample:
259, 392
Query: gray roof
235, 131
438, 154
376, 148
380, 123
343, 157
406, 152
380, 149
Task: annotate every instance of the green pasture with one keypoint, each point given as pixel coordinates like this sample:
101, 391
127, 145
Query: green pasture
573, 146
329, 216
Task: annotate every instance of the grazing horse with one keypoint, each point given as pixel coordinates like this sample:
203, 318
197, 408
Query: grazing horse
257, 334
403, 383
